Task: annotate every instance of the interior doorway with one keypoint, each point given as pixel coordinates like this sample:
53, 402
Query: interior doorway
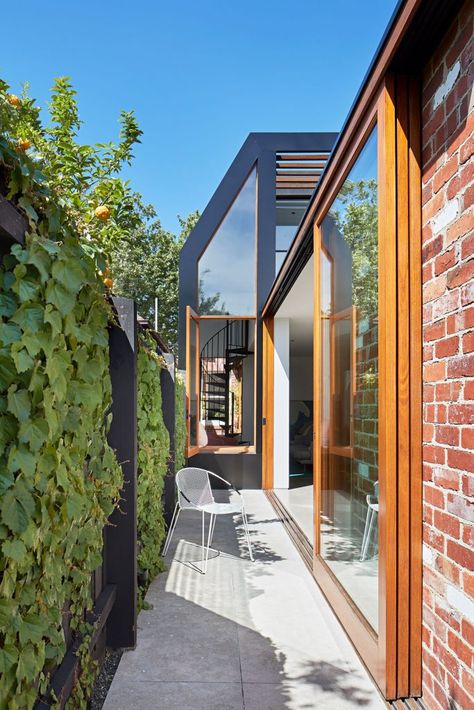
293, 403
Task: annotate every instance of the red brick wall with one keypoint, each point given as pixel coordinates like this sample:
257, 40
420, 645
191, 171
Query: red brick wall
448, 418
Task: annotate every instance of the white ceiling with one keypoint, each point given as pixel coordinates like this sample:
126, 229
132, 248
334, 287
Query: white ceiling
298, 307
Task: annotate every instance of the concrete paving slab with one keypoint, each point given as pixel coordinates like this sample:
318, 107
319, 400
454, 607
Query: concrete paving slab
198, 696
298, 695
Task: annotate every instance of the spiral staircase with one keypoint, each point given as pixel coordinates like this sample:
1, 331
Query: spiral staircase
221, 363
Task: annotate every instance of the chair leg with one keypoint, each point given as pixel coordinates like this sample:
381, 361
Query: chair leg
365, 539
174, 520
214, 517
247, 534
371, 528
209, 534
202, 534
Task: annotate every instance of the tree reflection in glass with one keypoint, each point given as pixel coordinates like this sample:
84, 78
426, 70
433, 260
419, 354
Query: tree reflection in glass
227, 268
349, 409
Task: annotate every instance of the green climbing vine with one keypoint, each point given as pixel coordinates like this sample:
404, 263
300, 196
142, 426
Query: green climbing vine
153, 455
180, 423
59, 479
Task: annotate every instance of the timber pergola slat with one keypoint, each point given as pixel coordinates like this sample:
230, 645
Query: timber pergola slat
298, 172
308, 164
302, 156
292, 172
295, 178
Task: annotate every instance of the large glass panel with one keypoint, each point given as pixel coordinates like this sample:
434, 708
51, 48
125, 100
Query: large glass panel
288, 216
349, 409
227, 269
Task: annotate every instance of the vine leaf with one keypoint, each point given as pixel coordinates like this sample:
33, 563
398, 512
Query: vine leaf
9, 333
6, 480
21, 459
19, 403
17, 508
27, 664
8, 429
7, 610
53, 317
22, 360
32, 343
8, 658
29, 317
74, 505
15, 549
8, 372
69, 274
8, 304
34, 432
41, 261
26, 287
31, 629
25, 203
60, 297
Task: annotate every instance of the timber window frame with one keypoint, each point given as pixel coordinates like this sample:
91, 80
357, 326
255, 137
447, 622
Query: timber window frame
393, 655
193, 385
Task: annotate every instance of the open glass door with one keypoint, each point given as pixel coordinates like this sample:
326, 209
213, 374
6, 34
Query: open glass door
193, 378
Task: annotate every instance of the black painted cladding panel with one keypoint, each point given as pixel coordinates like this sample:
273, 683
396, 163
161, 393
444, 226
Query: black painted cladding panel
121, 534
242, 470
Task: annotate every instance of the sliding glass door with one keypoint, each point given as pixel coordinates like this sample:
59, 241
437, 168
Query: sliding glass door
366, 389
367, 359
349, 384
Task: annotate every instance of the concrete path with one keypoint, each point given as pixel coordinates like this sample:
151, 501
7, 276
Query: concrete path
246, 636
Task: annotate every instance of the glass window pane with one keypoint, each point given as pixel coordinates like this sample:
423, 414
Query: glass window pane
227, 269
288, 216
349, 412
227, 367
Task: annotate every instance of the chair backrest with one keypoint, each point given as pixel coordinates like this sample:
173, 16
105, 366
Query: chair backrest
194, 487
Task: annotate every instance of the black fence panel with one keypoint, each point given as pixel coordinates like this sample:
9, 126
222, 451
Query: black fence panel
120, 554
13, 226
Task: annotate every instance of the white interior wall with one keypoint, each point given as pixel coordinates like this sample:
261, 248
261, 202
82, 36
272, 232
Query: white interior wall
281, 453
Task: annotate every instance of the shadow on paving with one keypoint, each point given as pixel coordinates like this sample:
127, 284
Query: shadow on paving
203, 644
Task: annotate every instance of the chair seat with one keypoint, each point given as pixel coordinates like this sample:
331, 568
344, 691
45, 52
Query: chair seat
222, 508
195, 493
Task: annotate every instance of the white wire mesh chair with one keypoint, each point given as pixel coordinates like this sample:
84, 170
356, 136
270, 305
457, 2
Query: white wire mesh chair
195, 493
372, 512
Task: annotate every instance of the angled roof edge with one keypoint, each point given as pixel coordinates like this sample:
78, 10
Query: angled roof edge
404, 39
254, 145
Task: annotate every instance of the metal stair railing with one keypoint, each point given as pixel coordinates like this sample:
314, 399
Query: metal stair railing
218, 357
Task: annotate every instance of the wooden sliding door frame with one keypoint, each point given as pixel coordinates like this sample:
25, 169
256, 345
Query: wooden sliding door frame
393, 655
192, 367
268, 372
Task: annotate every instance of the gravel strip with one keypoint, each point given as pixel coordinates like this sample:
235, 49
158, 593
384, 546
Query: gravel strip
104, 679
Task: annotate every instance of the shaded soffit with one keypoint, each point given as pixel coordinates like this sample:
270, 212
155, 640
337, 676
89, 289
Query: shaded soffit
298, 307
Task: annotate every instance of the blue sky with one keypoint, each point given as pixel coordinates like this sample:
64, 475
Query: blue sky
200, 75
